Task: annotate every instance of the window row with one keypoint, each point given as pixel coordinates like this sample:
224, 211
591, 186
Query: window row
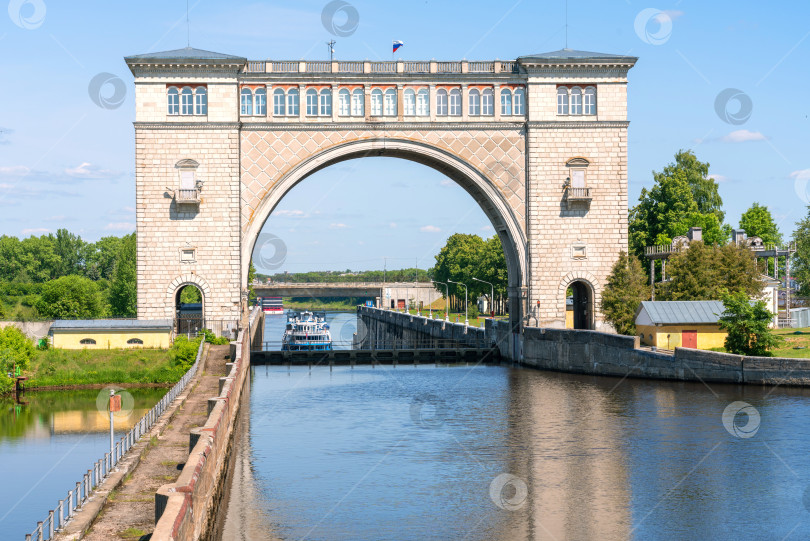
188, 101
382, 103
92, 341
574, 101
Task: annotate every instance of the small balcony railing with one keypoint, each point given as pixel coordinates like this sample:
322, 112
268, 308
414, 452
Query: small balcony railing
187, 197
578, 194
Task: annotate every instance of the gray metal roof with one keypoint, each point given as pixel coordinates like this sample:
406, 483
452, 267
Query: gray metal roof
111, 324
573, 55
675, 312
187, 53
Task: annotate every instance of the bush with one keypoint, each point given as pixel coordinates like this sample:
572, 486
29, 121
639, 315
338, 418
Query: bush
472, 312
213, 339
183, 352
747, 324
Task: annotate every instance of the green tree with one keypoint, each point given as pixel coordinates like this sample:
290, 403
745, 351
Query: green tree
625, 289
123, 291
737, 270
703, 273
100, 257
757, 221
682, 197
251, 277
190, 295
16, 351
747, 325
70, 248
71, 297
801, 259
458, 260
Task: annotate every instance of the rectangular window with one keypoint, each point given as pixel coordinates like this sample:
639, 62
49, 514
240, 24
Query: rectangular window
186, 180
578, 178
292, 103
410, 103
441, 103
423, 103
506, 102
187, 256
357, 103
326, 103
261, 103
186, 103
487, 105
278, 103
344, 104
455, 103
312, 104
174, 103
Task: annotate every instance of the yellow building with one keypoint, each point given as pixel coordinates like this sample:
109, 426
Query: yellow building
688, 324
111, 333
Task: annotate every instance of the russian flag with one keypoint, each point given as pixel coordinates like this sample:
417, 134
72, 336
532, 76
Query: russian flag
397, 45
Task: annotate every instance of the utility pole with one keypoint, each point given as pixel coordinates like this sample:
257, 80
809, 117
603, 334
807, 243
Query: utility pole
331, 45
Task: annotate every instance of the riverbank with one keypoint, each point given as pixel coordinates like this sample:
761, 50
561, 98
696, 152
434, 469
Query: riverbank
86, 368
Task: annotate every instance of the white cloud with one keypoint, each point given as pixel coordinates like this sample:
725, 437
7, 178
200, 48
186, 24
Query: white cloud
338, 226
392, 225
719, 178
14, 171
802, 174
446, 182
429, 229
286, 212
120, 226
487, 228
743, 136
89, 171
36, 230
57, 218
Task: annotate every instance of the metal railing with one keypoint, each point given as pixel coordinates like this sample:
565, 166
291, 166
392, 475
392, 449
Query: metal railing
664, 249
370, 344
192, 325
67, 508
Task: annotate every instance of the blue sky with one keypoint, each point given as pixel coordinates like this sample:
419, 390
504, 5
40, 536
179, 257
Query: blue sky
67, 162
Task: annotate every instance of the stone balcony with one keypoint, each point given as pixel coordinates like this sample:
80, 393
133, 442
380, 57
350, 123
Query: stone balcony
187, 197
577, 196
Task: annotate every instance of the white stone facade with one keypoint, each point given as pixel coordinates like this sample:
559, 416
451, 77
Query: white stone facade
518, 166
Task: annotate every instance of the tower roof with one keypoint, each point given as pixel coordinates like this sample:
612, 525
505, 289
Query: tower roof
185, 54
574, 56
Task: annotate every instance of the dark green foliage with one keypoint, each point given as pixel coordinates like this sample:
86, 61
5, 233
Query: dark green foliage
801, 260
190, 295
213, 339
183, 352
625, 289
71, 297
758, 222
747, 326
16, 351
123, 287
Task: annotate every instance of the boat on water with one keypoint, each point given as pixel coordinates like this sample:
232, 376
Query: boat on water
271, 305
306, 331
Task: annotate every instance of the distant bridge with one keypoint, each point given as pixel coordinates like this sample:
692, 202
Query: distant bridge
413, 291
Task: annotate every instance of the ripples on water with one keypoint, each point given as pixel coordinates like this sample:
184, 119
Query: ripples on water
449, 453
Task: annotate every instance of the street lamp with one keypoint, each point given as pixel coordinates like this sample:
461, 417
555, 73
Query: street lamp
491, 297
466, 320
446, 299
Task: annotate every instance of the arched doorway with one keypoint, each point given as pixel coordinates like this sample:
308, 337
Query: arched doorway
502, 213
189, 314
582, 305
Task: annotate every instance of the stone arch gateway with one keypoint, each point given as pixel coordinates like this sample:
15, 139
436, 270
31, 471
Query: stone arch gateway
257, 129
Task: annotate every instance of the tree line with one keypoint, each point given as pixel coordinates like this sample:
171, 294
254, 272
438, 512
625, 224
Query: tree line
61, 276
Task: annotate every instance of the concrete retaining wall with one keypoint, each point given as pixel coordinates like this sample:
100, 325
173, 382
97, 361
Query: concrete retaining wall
187, 507
32, 329
591, 352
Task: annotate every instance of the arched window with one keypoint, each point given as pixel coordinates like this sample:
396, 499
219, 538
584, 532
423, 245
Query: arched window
519, 102
487, 102
576, 101
455, 102
186, 101
201, 101
312, 102
390, 102
260, 100
326, 102
376, 102
358, 102
279, 98
292, 102
441, 102
344, 102
475, 102
562, 101
409, 102
590, 101
423, 102
506, 102
246, 100
87, 342
174, 101
135, 342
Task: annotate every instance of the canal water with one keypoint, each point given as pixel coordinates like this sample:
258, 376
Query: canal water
505, 453
49, 440
342, 326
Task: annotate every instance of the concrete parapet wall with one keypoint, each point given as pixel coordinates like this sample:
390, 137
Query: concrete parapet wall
598, 353
185, 509
32, 329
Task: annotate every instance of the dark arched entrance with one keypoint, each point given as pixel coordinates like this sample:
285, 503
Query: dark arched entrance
582, 305
188, 303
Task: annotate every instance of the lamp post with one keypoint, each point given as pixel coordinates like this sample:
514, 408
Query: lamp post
466, 320
491, 297
446, 299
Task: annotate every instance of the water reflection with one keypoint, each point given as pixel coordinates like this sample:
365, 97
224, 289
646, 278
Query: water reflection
496, 453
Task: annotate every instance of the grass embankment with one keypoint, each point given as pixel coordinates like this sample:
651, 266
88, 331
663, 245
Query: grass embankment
319, 305
70, 368
796, 344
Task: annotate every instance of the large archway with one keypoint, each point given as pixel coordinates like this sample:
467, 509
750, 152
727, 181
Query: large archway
472, 180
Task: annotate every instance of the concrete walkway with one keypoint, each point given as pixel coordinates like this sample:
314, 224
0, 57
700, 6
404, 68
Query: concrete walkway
129, 512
